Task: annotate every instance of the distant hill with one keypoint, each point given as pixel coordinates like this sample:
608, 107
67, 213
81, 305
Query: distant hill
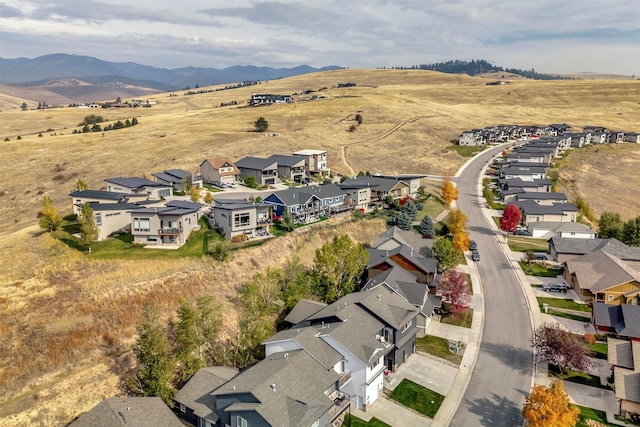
479, 67
26, 71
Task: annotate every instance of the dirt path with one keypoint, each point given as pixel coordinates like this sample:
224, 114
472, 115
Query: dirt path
343, 147
190, 104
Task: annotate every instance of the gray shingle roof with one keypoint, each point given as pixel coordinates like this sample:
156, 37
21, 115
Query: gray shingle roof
308, 339
376, 256
289, 161
613, 246
607, 315
619, 353
184, 204
299, 195
627, 384
288, 386
303, 310
381, 183
129, 411
402, 282
196, 393
101, 207
98, 194
256, 163
541, 195
134, 182
167, 178
631, 316
567, 227
530, 207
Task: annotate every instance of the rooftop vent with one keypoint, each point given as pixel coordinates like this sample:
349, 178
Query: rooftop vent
273, 387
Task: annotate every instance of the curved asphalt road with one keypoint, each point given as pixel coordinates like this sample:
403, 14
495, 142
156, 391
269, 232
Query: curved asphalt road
501, 378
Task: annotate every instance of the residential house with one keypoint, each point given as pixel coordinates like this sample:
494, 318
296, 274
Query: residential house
578, 140
538, 158
573, 230
563, 249
599, 138
602, 277
542, 198
381, 188
632, 137
163, 226
178, 179
265, 171
269, 98
616, 137
195, 403
560, 128
129, 411
301, 387
237, 218
624, 358
112, 217
360, 195
414, 181
473, 137
524, 173
315, 161
380, 260
372, 330
219, 170
515, 186
621, 320
80, 197
310, 203
406, 286
290, 168
394, 237
554, 212
140, 186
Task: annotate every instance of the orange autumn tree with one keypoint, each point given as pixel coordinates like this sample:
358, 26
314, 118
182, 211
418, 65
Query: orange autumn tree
449, 192
458, 229
461, 241
549, 406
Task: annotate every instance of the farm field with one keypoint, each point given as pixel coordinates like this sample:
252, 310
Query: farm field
70, 320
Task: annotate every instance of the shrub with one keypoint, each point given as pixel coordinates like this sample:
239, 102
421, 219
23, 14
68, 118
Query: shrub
589, 338
219, 251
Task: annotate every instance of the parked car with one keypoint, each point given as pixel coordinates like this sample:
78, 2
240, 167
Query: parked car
473, 245
475, 255
521, 232
541, 257
232, 185
555, 287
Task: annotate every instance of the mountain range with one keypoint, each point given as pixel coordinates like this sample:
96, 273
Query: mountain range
40, 70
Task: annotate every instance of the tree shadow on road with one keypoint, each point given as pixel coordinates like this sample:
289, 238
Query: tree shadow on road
518, 359
496, 411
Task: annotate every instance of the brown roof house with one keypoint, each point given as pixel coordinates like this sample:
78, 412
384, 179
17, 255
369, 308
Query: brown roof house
602, 277
219, 170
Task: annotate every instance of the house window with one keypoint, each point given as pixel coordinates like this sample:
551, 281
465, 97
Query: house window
141, 224
98, 219
407, 326
610, 297
163, 194
242, 219
375, 363
241, 422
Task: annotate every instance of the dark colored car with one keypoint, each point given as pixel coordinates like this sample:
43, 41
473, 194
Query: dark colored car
475, 255
473, 245
555, 287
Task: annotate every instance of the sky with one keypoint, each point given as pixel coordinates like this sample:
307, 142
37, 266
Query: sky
562, 36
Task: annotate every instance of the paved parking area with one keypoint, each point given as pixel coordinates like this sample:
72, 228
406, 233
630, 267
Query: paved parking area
427, 372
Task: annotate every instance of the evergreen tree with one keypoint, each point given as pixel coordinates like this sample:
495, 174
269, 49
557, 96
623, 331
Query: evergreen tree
631, 232
410, 209
261, 124
426, 227
403, 221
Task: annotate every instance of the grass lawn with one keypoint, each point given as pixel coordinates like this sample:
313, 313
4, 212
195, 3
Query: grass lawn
567, 316
460, 319
524, 244
576, 377
599, 349
465, 150
433, 207
564, 303
536, 269
438, 347
418, 398
591, 414
357, 422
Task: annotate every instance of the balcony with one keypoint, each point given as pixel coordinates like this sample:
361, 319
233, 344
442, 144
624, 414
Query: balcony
341, 402
169, 231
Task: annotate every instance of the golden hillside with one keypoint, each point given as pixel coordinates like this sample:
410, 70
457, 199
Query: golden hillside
423, 110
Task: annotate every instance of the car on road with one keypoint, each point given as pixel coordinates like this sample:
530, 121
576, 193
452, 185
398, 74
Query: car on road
475, 255
555, 287
473, 245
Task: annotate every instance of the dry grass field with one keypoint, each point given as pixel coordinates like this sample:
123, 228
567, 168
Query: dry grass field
68, 321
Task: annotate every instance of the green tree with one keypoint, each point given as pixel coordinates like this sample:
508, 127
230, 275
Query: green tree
403, 221
631, 232
187, 183
50, 220
426, 227
287, 222
410, 209
88, 228
196, 330
96, 128
134, 121
298, 283
337, 264
81, 185
422, 194
155, 363
445, 252
359, 118
261, 124
610, 225
250, 181
24, 106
